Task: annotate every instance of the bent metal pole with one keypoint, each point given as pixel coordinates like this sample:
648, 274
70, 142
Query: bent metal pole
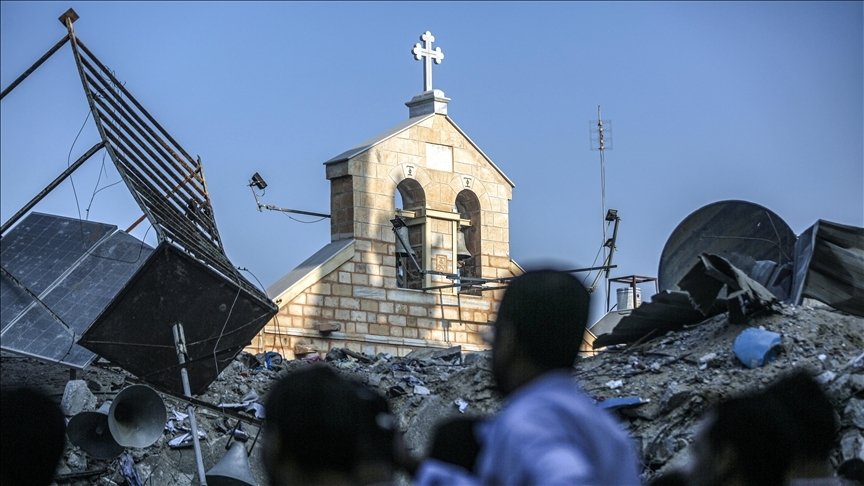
180, 344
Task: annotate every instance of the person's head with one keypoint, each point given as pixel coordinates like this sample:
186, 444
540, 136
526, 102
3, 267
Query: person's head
455, 441
377, 438
852, 470
813, 426
540, 325
317, 424
33, 437
743, 440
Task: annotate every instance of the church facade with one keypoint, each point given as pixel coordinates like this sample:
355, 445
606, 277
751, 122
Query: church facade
419, 243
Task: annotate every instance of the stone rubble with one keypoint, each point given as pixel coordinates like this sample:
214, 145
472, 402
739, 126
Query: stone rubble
677, 377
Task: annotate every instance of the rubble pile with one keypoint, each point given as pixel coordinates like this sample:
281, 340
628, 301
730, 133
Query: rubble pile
662, 387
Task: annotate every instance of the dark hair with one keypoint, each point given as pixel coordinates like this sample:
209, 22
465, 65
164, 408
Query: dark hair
548, 310
454, 441
852, 470
813, 424
33, 437
756, 428
315, 413
327, 422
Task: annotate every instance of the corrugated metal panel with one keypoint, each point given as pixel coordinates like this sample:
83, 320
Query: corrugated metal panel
829, 266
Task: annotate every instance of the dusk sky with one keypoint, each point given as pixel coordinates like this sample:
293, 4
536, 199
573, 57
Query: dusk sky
708, 101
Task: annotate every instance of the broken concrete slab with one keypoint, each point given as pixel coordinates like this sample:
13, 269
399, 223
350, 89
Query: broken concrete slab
77, 398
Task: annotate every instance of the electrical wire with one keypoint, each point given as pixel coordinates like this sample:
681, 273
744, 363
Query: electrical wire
304, 222
69, 162
224, 325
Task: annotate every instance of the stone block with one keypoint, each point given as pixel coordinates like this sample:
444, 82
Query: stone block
368, 305
327, 327
343, 290
358, 316
379, 329
370, 292
77, 398
349, 303
396, 320
302, 349
416, 310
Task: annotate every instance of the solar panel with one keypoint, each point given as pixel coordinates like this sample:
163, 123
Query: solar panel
59, 274
219, 318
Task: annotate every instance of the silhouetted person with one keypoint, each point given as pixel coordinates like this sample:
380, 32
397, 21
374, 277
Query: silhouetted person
549, 432
745, 440
452, 454
672, 478
852, 471
782, 434
812, 425
322, 428
33, 433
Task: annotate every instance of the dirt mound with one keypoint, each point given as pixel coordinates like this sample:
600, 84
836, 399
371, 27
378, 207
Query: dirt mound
670, 382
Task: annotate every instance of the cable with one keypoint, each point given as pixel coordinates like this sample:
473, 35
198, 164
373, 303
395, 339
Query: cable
97, 189
224, 325
69, 162
304, 222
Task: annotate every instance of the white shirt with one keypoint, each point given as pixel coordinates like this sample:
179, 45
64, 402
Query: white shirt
550, 433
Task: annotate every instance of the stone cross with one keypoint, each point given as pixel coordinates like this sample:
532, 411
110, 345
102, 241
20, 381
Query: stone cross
430, 54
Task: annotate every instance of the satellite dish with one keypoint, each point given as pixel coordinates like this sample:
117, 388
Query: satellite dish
750, 236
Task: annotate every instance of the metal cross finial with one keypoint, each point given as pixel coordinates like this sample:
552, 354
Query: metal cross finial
430, 54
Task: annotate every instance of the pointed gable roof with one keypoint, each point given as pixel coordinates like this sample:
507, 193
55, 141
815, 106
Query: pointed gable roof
396, 130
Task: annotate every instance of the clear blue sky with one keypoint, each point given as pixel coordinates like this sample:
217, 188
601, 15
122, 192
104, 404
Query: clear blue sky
708, 101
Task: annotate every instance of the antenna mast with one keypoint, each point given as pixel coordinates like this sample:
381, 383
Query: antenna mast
599, 143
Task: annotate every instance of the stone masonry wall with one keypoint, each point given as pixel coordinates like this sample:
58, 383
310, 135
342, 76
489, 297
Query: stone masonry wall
361, 298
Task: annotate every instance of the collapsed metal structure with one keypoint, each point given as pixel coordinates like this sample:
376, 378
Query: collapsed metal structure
186, 279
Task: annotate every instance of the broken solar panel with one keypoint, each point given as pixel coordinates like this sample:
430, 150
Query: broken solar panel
219, 319
58, 275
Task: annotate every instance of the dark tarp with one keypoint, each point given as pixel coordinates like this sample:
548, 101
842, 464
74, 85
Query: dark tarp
829, 266
712, 286
667, 311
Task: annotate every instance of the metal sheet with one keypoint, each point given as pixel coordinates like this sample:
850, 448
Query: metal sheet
58, 275
667, 311
219, 319
829, 266
747, 234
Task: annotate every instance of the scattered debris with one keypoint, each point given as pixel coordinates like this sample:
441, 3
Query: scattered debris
77, 398
665, 387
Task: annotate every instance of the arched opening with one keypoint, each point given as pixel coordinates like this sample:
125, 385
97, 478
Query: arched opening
468, 207
409, 197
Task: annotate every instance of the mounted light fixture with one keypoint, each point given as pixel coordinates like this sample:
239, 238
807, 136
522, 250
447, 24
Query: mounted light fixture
258, 181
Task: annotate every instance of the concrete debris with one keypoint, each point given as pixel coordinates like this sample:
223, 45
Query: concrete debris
615, 384
675, 379
77, 398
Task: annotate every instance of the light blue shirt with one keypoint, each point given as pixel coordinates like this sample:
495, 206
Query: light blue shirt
550, 433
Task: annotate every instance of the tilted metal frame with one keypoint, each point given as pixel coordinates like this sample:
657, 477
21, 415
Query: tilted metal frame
166, 182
